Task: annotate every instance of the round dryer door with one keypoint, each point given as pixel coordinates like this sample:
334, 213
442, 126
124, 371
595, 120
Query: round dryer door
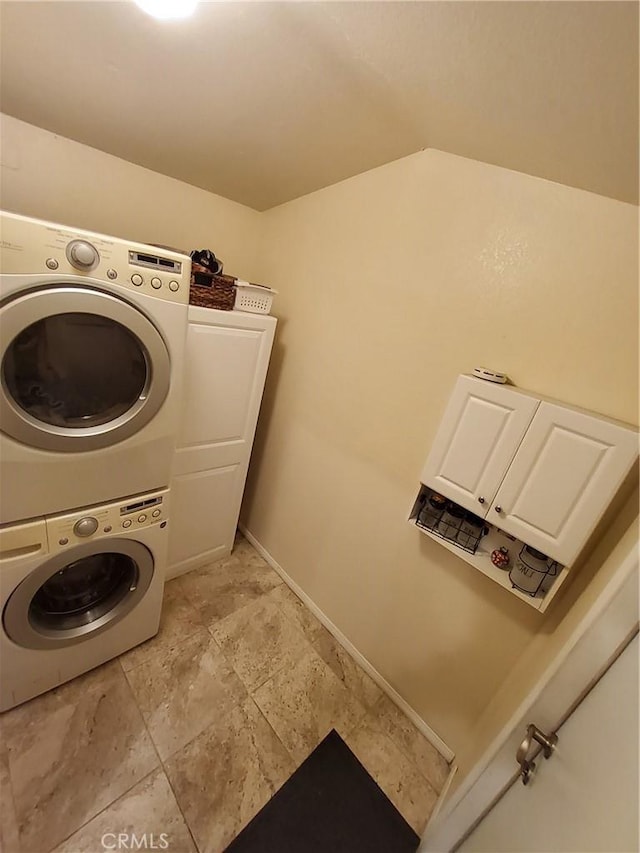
78, 594
81, 369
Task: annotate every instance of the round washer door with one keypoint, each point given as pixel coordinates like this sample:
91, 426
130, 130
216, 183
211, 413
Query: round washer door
78, 594
81, 369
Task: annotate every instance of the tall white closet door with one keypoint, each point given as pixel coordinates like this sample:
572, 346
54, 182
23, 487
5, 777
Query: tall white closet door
478, 436
566, 472
227, 355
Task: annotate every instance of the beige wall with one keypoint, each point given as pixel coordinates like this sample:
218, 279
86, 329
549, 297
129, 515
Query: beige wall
50, 177
392, 283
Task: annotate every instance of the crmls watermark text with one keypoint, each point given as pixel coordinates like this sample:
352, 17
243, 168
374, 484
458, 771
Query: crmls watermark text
131, 841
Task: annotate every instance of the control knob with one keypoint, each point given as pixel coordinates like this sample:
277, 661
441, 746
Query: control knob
85, 526
82, 254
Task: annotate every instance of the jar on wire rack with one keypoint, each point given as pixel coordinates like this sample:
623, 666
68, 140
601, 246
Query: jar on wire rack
451, 521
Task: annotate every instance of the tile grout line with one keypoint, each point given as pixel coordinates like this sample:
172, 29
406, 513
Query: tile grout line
316, 652
11, 787
278, 738
181, 596
161, 762
169, 649
294, 624
367, 709
129, 789
184, 817
283, 613
102, 810
249, 698
251, 692
183, 746
343, 641
209, 628
406, 754
185, 595
11, 792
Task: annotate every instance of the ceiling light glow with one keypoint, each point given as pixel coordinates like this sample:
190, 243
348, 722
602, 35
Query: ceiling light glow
167, 10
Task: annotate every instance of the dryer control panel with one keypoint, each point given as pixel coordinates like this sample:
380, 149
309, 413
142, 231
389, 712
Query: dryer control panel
32, 246
100, 522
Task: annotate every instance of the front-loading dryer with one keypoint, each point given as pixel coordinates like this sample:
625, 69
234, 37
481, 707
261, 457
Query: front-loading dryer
77, 590
92, 338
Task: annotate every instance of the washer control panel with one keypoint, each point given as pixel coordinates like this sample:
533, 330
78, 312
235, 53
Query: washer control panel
119, 518
31, 246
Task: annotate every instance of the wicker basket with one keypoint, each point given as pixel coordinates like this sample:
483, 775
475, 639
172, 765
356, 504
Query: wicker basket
211, 291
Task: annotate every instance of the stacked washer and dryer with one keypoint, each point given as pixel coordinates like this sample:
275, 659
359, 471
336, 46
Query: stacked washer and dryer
92, 342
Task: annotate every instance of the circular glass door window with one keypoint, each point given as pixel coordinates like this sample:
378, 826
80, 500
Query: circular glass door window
74, 596
83, 592
75, 370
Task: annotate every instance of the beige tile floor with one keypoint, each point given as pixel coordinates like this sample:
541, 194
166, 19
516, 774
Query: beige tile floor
191, 733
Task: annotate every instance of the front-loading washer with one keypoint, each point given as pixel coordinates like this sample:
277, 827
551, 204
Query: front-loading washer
92, 341
77, 590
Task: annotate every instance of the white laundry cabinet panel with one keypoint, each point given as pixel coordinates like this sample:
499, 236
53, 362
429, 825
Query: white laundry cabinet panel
565, 474
478, 436
221, 374
227, 356
196, 517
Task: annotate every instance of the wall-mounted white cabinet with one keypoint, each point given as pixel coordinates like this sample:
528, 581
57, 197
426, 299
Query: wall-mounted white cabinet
539, 471
563, 477
479, 434
226, 365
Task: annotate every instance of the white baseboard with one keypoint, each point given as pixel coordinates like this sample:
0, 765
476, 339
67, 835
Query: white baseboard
442, 796
382, 683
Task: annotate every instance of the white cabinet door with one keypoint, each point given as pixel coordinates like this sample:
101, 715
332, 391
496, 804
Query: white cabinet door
220, 377
480, 431
566, 472
200, 521
227, 355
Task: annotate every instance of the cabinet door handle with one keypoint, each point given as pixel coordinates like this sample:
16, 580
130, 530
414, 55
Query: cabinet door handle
498, 508
480, 500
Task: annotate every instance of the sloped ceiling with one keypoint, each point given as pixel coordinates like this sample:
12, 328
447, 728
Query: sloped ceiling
263, 102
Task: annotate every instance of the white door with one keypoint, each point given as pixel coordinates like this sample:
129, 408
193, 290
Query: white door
585, 797
564, 475
605, 628
478, 436
226, 361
